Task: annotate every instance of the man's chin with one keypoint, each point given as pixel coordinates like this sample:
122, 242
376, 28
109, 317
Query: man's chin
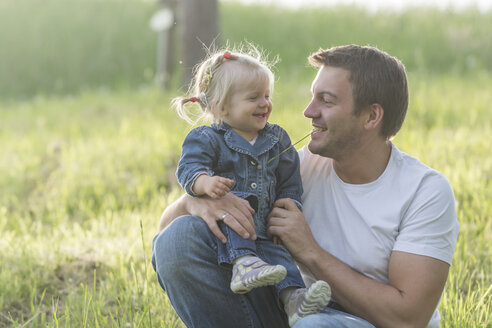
318, 149
312, 148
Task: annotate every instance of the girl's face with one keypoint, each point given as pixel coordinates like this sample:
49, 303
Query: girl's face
248, 108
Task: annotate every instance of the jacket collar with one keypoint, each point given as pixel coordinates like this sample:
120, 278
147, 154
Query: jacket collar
265, 141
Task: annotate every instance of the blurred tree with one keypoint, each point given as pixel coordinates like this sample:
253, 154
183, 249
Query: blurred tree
166, 66
199, 28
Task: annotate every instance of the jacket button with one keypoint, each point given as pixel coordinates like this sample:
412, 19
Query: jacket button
253, 162
253, 185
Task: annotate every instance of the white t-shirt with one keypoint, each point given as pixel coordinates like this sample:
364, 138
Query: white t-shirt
409, 208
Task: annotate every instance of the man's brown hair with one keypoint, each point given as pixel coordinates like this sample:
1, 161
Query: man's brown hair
375, 76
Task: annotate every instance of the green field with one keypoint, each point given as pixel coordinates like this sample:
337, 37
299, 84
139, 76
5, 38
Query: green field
89, 146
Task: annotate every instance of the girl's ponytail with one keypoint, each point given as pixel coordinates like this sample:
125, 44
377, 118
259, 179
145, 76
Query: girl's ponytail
182, 107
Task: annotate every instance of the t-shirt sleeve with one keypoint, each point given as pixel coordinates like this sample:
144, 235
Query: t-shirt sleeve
430, 226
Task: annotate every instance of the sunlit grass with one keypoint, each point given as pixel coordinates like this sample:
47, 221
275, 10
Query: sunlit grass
85, 175
84, 178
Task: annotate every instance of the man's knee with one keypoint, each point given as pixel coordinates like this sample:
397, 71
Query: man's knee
330, 318
184, 240
310, 321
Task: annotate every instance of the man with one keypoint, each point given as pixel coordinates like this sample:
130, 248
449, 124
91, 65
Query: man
379, 226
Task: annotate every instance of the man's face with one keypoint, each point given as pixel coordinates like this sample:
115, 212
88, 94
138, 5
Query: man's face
331, 110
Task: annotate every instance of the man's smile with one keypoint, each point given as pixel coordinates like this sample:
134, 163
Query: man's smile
317, 129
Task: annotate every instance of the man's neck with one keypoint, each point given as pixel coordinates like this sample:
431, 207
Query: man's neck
364, 164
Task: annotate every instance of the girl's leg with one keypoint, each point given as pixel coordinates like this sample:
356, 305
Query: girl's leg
278, 254
248, 270
185, 260
235, 247
297, 301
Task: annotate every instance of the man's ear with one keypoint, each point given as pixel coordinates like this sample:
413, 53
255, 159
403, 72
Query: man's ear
374, 116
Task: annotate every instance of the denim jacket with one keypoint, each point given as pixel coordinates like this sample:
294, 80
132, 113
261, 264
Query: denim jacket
218, 150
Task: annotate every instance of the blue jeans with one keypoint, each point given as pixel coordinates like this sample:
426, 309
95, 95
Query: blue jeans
185, 258
331, 318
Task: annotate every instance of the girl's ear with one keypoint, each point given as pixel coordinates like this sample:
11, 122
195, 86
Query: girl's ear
374, 116
224, 110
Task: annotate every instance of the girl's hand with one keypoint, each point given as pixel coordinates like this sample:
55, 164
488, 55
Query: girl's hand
212, 186
217, 186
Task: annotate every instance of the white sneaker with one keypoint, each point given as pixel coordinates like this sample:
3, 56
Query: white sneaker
306, 301
252, 272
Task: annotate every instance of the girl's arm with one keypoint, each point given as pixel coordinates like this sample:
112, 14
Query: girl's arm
199, 155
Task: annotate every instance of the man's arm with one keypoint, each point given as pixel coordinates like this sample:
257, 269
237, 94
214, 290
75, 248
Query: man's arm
415, 282
174, 210
415, 286
211, 211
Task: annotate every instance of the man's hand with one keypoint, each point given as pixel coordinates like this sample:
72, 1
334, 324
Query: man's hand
239, 213
214, 187
288, 223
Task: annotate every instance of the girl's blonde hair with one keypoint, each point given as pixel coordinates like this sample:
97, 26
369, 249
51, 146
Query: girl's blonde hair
214, 81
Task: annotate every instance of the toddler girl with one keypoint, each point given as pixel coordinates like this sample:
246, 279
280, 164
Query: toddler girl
244, 154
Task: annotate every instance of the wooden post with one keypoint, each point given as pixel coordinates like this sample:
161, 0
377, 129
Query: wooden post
166, 47
199, 28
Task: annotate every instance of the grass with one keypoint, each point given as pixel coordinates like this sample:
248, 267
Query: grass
88, 162
58, 46
86, 178
72, 210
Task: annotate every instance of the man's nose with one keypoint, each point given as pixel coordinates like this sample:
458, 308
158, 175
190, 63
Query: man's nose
310, 111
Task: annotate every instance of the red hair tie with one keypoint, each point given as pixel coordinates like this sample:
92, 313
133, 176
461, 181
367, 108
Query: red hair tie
227, 55
193, 99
